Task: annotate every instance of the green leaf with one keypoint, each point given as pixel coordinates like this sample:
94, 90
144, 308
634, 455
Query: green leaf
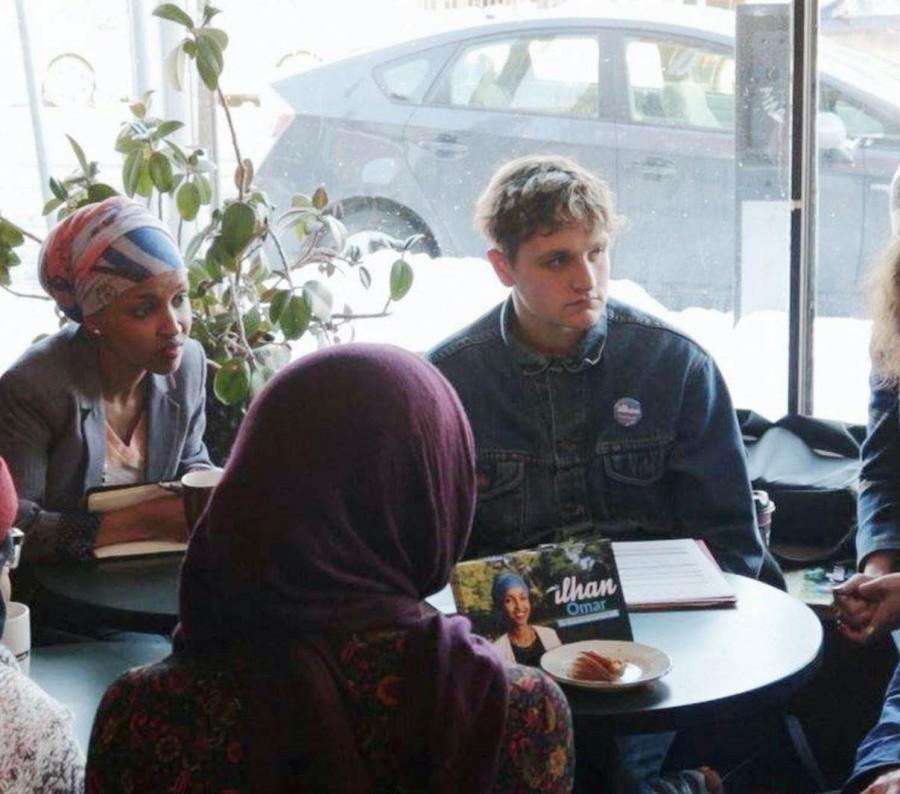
51, 205
217, 258
220, 36
205, 188
401, 279
238, 226
5, 278
10, 236
209, 12
319, 298
209, 61
100, 192
174, 66
279, 302
173, 13
79, 153
166, 128
294, 320
144, 185
161, 172
232, 383
251, 321
178, 154
58, 190
131, 171
139, 109
188, 201
338, 231
193, 246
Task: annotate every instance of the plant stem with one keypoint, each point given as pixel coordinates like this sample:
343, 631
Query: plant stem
361, 316
22, 231
242, 331
159, 205
283, 258
234, 140
26, 294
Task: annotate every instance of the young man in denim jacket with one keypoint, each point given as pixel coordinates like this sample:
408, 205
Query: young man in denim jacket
590, 417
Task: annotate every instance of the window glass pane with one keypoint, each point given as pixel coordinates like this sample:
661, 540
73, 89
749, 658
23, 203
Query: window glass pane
858, 136
673, 83
548, 74
404, 115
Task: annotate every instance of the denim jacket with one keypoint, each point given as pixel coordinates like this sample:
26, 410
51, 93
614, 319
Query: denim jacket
879, 479
632, 437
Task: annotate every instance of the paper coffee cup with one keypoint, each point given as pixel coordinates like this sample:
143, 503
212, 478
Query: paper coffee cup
17, 633
196, 488
764, 509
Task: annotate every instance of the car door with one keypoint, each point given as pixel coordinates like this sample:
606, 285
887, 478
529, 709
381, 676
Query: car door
854, 181
504, 96
676, 176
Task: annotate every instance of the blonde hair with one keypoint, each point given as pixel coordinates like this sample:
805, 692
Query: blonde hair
541, 193
884, 307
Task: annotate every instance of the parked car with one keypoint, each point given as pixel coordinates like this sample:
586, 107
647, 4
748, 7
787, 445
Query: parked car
408, 135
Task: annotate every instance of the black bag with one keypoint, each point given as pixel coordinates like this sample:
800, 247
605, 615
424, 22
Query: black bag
810, 468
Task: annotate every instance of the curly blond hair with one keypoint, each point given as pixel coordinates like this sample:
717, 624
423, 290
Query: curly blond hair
884, 307
541, 193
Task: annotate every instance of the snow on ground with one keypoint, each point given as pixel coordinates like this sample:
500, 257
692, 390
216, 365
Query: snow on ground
448, 293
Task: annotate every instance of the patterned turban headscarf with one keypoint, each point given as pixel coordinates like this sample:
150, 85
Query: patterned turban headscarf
101, 250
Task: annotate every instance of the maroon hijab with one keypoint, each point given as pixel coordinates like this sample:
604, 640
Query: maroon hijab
348, 497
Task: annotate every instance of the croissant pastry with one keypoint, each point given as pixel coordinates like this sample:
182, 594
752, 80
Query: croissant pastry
592, 666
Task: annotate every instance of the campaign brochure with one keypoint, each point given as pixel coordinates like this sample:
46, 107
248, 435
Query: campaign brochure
572, 588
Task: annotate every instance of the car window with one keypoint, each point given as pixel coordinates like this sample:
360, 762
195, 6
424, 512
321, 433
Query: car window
407, 79
537, 74
678, 84
859, 120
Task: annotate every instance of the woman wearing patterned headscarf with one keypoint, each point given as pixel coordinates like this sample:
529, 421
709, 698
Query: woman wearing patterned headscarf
38, 752
116, 396
304, 659
523, 642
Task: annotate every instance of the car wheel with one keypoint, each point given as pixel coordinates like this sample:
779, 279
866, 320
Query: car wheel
368, 220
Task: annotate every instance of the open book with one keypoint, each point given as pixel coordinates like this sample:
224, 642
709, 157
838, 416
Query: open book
116, 497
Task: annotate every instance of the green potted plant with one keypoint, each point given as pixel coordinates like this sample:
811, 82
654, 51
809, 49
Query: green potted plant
250, 299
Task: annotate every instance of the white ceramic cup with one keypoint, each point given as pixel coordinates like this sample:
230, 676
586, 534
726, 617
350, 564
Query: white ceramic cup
17, 633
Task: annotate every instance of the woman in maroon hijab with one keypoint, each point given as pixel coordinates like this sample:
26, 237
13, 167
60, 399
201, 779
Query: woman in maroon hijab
304, 660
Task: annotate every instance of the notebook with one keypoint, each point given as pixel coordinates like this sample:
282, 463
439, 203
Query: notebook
116, 497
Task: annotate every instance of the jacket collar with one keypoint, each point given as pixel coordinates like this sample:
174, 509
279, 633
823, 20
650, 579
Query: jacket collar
165, 415
588, 352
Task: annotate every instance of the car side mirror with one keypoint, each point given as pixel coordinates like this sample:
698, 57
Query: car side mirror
831, 137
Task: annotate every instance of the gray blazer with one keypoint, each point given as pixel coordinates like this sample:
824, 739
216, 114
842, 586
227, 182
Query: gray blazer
52, 428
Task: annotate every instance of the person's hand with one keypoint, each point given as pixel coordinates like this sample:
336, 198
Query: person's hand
879, 563
163, 519
852, 611
886, 783
868, 607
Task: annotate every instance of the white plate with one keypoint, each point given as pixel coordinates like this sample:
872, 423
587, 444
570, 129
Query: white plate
643, 663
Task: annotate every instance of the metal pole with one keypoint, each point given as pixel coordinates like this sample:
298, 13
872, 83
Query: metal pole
34, 105
140, 60
803, 208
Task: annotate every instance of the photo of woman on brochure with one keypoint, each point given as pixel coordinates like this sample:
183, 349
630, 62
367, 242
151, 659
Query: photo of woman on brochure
523, 643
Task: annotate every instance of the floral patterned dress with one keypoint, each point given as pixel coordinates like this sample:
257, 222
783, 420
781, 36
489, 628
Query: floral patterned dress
176, 726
